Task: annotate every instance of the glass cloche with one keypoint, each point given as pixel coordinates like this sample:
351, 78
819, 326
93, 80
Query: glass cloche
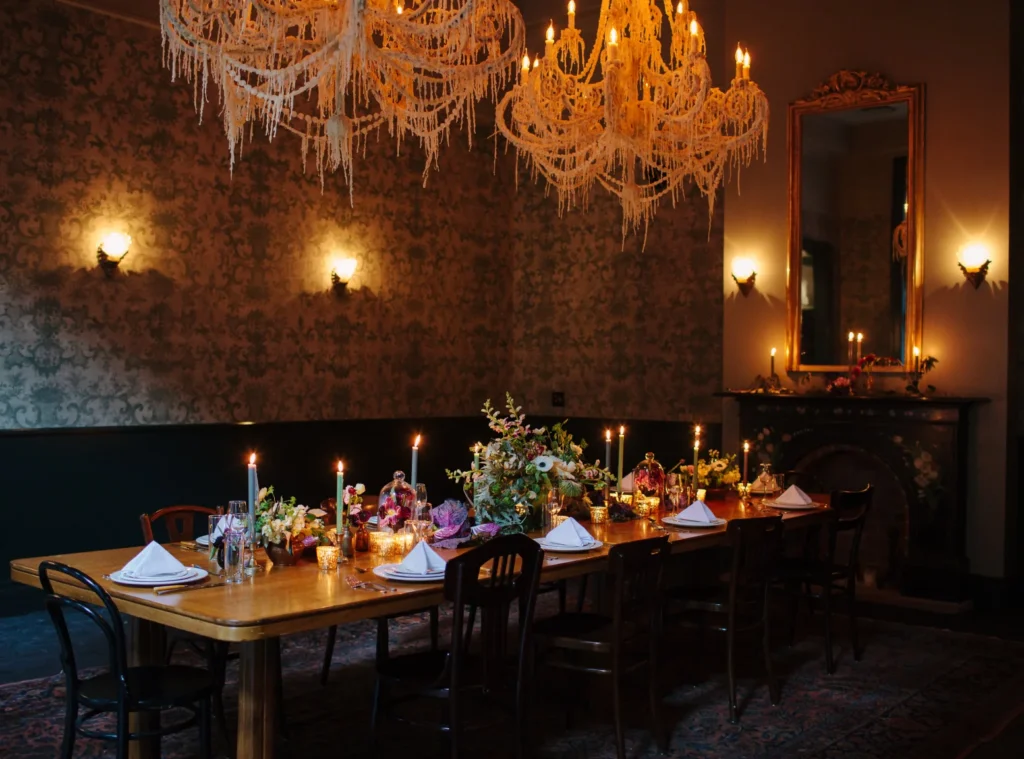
396, 504
649, 481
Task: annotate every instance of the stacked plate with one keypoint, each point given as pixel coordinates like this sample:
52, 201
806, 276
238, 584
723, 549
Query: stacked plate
203, 540
677, 521
185, 575
396, 573
562, 548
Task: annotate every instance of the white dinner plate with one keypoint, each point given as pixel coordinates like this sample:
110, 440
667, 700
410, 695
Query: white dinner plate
203, 540
195, 574
556, 548
687, 523
387, 572
794, 506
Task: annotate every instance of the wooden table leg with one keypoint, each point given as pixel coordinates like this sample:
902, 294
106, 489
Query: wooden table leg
148, 648
260, 666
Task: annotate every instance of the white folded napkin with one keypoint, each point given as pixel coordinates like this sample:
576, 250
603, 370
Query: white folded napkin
154, 561
223, 523
569, 533
794, 496
422, 560
698, 511
318, 513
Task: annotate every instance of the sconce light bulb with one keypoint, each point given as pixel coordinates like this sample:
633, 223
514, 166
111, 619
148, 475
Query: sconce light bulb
116, 245
743, 269
974, 256
344, 268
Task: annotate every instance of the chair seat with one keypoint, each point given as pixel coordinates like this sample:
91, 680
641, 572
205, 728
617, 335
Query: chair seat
578, 630
150, 688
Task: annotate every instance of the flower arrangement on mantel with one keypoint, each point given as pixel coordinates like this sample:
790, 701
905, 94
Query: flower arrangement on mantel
847, 384
521, 466
285, 525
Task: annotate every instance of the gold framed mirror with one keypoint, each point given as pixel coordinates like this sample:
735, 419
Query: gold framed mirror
856, 191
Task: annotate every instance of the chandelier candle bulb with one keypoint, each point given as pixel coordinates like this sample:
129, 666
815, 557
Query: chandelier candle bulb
694, 37
572, 14
549, 40
739, 62
746, 66
415, 461
526, 63
622, 445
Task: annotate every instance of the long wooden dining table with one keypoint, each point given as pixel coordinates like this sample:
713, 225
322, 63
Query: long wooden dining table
283, 600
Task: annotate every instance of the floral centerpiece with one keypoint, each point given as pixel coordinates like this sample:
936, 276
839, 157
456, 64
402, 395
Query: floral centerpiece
353, 499
521, 466
717, 472
285, 528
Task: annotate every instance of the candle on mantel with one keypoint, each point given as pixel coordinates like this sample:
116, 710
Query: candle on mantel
773, 363
849, 349
746, 458
917, 360
696, 450
252, 495
340, 507
608, 448
415, 461
622, 444
860, 339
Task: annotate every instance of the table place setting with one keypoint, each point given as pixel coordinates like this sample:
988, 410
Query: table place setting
155, 567
422, 564
697, 514
569, 537
793, 499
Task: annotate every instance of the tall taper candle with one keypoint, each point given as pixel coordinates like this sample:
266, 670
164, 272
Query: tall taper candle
622, 445
746, 457
252, 497
415, 461
860, 339
773, 363
608, 448
340, 507
476, 456
696, 450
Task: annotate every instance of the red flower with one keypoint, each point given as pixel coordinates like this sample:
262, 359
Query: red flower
855, 372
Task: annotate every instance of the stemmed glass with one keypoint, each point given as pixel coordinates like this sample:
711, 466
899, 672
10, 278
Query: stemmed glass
674, 488
421, 519
551, 508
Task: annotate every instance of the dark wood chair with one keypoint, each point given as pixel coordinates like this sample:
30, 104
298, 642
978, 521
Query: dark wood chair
179, 521
624, 641
820, 575
486, 582
740, 604
122, 690
332, 637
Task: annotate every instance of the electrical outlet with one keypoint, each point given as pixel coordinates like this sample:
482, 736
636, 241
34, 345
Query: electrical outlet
558, 399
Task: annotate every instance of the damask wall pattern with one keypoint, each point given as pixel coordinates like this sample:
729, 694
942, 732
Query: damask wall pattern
223, 313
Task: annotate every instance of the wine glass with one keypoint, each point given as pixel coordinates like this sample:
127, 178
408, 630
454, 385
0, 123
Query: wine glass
674, 488
421, 519
551, 508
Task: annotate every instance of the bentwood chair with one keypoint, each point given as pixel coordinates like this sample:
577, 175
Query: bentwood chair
625, 641
492, 672
740, 605
820, 575
179, 521
122, 690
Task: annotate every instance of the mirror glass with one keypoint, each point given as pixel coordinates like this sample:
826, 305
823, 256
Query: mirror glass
853, 210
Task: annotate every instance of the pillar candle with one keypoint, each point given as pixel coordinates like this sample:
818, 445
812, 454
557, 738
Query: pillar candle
622, 443
341, 508
415, 461
252, 497
746, 457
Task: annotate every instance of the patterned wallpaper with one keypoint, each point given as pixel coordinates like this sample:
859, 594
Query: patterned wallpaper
464, 288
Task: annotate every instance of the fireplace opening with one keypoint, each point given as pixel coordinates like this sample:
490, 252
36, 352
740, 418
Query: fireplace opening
883, 547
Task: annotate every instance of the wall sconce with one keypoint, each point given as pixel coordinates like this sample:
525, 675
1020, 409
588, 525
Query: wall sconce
341, 274
112, 250
974, 263
743, 275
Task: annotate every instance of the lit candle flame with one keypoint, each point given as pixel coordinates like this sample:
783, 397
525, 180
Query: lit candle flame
746, 60
739, 54
860, 337
622, 430
572, 6
850, 337
416, 442
252, 459
773, 352
917, 352
696, 431
608, 436
746, 447
341, 467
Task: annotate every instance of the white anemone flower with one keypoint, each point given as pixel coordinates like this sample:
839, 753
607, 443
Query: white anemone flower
544, 463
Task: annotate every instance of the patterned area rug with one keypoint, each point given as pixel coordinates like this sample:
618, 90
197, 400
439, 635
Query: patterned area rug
919, 692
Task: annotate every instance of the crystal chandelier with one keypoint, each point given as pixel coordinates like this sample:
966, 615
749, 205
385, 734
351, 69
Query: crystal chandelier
332, 71
644, 127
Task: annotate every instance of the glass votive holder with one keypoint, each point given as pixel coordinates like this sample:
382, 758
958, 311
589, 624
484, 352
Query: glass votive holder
327, 557
381, 543
598, 514
701, 493
403, 542
557, 519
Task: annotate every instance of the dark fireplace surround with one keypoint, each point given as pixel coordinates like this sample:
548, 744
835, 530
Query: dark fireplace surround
913, 450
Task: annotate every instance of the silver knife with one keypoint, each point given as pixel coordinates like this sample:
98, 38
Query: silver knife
183, 588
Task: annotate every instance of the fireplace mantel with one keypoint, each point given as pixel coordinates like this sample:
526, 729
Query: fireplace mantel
920, 442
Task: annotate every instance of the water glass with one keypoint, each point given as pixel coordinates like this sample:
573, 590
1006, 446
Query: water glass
238, 507
551, 508
234, 554
674, 489
213, 524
